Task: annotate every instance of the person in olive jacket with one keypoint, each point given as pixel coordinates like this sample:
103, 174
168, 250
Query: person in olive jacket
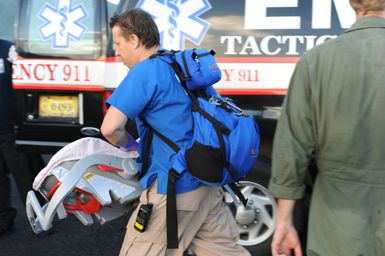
335, 111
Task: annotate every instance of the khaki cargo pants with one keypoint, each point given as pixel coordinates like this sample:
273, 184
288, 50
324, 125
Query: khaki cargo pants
205, 225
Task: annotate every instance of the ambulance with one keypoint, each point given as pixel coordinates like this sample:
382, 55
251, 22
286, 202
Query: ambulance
67, 68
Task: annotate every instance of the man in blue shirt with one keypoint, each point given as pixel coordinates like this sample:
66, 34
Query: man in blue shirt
151, 92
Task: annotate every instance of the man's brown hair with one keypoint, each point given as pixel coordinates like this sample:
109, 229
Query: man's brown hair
367, 5
138, 22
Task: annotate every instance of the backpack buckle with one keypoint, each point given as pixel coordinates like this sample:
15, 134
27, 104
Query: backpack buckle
234, 108
174, 173
227, 105
215, 101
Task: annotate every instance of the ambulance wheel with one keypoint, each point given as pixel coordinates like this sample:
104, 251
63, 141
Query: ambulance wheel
256, 221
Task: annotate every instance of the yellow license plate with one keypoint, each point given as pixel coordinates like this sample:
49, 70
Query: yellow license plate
58, 106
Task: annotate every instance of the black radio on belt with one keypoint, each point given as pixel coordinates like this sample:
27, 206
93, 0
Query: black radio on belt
143, 217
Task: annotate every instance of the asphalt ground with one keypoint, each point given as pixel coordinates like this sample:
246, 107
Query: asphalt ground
69, 237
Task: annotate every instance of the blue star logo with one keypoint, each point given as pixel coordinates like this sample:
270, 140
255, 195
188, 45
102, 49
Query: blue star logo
178, 20
62, 23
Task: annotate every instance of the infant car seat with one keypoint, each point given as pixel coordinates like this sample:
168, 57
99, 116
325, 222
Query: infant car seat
88, 178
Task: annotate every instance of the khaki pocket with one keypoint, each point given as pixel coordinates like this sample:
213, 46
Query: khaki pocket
133, 246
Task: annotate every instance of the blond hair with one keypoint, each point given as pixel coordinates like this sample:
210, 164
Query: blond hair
366, 6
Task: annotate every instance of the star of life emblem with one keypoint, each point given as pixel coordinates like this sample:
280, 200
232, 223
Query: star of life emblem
178, 20
62, 23
12, 54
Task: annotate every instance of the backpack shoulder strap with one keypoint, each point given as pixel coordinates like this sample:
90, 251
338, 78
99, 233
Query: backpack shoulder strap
171, 214
173, 175
171, 144
149, 137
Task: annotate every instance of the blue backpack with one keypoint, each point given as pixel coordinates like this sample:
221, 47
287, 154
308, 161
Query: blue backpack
225, 141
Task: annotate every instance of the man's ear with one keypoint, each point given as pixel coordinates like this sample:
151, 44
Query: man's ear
134, 39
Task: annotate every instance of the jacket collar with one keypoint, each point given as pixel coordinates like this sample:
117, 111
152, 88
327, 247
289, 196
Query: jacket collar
367, 22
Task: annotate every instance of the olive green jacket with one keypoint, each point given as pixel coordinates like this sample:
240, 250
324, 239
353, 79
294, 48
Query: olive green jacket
335, 111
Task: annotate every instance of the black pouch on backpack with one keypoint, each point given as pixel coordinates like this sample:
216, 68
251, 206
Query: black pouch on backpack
205, 162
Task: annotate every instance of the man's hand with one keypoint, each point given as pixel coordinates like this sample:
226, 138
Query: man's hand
131, 144
285, 240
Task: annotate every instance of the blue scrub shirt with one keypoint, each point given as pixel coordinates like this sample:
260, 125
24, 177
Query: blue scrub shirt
151, 90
